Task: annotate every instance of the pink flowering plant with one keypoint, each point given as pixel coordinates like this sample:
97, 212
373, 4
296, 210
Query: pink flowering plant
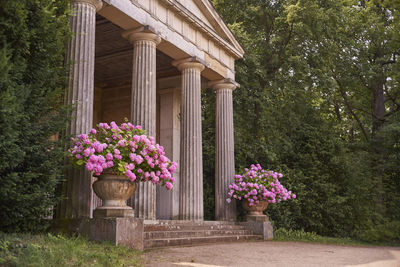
124, 150
256, 185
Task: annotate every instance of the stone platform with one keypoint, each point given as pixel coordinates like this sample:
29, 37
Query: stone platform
126, 231
146, 234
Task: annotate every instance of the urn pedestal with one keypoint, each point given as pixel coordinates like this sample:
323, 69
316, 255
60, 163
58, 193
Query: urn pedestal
257, 221
114, 190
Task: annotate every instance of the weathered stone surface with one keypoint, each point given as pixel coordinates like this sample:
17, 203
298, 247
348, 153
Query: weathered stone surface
114, 190
177, 233
257, 218
80, 92
194, 233
169, 137
119, 231
191, 164
224, 149
260, 225
256, 210
116, 212
143, 107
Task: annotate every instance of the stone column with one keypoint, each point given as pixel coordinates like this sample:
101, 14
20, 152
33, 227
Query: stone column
224, 149
80, 93
169, 110
143, 105
191, 162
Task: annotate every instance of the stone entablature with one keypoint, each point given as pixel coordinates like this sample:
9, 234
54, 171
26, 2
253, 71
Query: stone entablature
198, 32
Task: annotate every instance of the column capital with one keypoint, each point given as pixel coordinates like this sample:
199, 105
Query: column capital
97, 4
190, 63
224, 84
145, 33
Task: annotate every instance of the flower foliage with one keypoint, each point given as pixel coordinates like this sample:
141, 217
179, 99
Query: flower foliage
258, 185
125, 150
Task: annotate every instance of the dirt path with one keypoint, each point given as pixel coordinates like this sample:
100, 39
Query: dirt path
273, 254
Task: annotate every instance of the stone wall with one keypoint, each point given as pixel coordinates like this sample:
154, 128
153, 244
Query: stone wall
113, 104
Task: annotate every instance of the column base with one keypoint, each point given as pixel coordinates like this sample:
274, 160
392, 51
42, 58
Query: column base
119, 231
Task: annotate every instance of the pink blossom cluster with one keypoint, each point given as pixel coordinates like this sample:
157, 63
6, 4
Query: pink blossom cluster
124, 150
256, 185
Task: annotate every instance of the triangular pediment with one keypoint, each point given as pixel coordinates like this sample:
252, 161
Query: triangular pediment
196, 8
212, 18
208, 19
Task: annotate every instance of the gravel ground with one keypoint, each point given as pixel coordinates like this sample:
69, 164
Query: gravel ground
273, 254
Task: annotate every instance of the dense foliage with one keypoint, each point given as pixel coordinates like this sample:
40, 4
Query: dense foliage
319, 101
32, 44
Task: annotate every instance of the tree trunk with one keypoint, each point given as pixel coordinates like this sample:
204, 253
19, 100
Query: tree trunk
378, 114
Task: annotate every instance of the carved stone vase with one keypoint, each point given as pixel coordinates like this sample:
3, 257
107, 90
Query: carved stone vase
114, 190
255, 212
256, 209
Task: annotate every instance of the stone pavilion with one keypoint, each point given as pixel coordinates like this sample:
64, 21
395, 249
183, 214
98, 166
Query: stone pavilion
148, 60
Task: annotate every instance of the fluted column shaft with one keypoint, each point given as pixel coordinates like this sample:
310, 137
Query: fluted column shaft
143, 107
80, 93
191, 158
224, 150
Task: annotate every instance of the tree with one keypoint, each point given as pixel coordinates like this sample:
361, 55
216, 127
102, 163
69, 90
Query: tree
319, 101
32, 38
358, 49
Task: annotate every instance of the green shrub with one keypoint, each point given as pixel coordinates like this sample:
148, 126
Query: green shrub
282, 234
295, 235
32, 76
385, 232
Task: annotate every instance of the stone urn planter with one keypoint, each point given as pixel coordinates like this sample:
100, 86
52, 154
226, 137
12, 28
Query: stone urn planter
255, 212
256, 209
114, 190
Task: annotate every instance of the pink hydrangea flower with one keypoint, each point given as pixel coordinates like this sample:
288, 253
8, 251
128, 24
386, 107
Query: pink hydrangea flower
109, 156
257, 185
109, 145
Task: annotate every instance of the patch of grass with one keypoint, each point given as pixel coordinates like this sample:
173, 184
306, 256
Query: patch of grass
282, 234
51, 250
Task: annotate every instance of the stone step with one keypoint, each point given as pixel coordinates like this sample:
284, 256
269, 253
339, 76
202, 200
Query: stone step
188, 222
194, 233
177, 225
190, 241
163, 228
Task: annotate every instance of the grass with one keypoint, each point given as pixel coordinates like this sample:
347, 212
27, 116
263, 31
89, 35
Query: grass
51, 250
302, 236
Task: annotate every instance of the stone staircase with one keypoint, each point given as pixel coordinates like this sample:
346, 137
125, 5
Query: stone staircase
164, 233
